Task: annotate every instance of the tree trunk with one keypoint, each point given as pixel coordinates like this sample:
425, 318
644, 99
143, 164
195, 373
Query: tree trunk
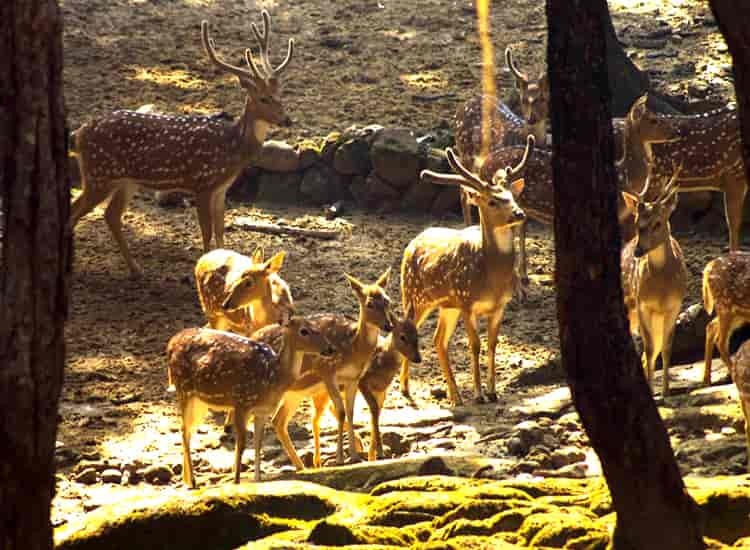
607, 383
734, 23
34, 266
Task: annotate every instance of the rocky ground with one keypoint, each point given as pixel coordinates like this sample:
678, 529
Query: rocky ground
119, 430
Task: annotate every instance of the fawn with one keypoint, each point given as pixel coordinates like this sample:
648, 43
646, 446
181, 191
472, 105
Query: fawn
241, 294
465, 273
219, 370
654, 276
726, 289
202, 154
356, 344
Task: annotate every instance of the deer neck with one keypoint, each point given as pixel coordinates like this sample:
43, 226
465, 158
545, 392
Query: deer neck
366, 335
252, 129
262, 309
497, 241
290, 357
660, 256
638, 155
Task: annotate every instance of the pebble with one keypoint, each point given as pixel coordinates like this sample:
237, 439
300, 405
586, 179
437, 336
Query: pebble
158, 474
112, 476
88, 476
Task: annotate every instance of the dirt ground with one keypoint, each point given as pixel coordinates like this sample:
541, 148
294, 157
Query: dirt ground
395, 63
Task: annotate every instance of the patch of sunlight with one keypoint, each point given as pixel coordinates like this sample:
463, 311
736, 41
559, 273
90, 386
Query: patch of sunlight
593, 465
400, 36
178, 78
424, 80
138, 444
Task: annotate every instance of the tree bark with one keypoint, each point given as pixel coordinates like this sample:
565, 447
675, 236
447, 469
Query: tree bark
607, 383
34, 265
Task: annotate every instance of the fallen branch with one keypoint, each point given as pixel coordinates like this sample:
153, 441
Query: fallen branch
275, 229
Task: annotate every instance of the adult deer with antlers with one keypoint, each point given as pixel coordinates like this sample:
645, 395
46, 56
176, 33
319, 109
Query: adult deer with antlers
465, 273
654, 276
199, 154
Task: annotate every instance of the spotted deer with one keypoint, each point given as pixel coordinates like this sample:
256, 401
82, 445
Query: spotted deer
330, 377
710, 150
121, 151
241, 294
534, 98
465, 273
740, 371
726, 290
218, 370
654, 276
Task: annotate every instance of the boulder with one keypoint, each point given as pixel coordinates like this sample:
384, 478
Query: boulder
358, 190
279, 187
88, 476
420, 196
278, 156
378, 191
158, 474
112, 475
170, 199
352, 156
245, 187
447, 200
396, 156
321, 184
308, 153
690, 335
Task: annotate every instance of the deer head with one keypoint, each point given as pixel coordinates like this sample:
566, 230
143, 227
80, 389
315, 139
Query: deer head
260, 80
534, 95
307, 338
652, 218
645, 128
406, 338
374, 301
252, 284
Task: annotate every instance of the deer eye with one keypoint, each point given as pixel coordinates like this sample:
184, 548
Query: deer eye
492, 202
402, 338
265, 100
304, 332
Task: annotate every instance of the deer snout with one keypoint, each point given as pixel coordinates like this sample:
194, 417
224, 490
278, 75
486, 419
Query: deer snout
387, 326
518, 215
328, 351
417, 358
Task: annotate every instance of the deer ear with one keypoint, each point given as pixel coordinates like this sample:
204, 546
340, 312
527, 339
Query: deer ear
631, 201
383, 279
274, 264
258, 255
516, 187
356, 284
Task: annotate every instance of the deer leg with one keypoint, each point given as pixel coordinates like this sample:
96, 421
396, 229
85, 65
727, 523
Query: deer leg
734, 200
203, 206
445, 327
259, 424
86, 202
712, 331
404, 376
746, 414
280, 423
375, 402
357, 439
320, 401
668, 328
187, 414
523, 273
350, 396
338, 403
240, 435
217, 214
725, 332
493, 331
470, 322
649, 355
113, 216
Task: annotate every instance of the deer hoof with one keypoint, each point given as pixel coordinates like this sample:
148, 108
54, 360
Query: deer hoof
491, 397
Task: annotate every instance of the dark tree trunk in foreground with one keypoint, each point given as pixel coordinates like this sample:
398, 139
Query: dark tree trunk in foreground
605, 376
734, 22
34, 266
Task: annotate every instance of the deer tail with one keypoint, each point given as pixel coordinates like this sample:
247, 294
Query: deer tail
708, 298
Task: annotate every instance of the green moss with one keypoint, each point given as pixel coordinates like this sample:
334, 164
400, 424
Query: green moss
496, 491
479, 509
509, 520
555, 528
725, 511
595, 540
553, 487
334, 534
398, 509
468, 543
424, 483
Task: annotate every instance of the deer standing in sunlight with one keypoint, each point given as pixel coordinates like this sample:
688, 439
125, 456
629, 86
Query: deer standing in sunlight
726, 289
241, 294
654, 276
466, 273
219, 370
330, 377
200, 154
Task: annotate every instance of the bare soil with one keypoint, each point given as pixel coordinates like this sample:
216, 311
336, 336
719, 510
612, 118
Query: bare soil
394, 63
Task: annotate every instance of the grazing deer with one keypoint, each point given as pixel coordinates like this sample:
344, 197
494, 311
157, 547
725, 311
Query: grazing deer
726, 289
218, 370
241, 294
202, 154
534, 99
465, 273
740, 371
654, 276
709, 148
326, 377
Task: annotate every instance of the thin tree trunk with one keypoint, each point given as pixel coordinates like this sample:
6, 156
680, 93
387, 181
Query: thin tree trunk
607, 382
34, 266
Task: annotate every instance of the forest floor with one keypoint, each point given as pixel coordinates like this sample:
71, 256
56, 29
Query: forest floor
404, 63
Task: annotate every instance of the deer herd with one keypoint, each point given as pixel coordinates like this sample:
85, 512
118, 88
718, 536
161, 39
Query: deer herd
257, 357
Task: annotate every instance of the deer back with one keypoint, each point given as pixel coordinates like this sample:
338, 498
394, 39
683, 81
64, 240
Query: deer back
192, 153
225, 370
726, 283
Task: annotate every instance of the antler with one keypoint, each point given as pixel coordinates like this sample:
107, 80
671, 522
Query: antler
210, 47
463, 176
671, 187
530, 141
512, 66
263, 41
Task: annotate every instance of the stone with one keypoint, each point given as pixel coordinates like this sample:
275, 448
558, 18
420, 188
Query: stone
447, 200
379, 191
435, 160
420, 196
171, 198
690, 335
396, 443
352, 156
328, 149
574, 471
566, 455
278, 187
530, 433
358, 190
308, 154
434, 466
158, 474
396, 156
321, 184
111, 475
277, 156
88, 476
